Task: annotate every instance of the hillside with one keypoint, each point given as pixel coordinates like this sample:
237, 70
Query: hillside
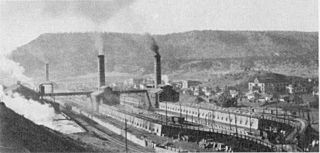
183, 54
17, 134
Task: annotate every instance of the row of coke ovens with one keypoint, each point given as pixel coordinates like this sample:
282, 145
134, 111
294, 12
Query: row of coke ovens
210, 115
158, 127
132, 120
217, 119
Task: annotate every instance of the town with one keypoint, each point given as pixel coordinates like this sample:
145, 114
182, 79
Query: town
269, 112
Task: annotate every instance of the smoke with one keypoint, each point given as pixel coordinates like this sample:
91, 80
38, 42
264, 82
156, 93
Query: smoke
96, 11
153, 44
98, 42
11, 72
41, 114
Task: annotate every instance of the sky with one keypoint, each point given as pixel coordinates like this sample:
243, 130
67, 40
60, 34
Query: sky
23, 21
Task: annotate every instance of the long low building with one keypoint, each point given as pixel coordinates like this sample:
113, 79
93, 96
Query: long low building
132, 120
216, 115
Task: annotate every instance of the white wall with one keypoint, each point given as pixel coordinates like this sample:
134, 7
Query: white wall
215, 115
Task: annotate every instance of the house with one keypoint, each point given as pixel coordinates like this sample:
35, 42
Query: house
290, 89
148, 83
207, 91
315, 91
142, 86
176, 84
187, 91
190, 83
133, 81
296, 89
197, 91
233, 93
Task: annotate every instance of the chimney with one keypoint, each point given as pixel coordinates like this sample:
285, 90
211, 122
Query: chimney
157, 61
47, 71
157, 70
102, 81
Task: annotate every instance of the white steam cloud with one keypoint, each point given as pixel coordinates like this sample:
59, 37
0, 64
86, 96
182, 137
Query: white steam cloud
11, 72
41, 114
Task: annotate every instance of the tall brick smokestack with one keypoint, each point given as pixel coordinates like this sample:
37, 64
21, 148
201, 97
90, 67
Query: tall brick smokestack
47, 71
157, 70
102, 81
98, 43
157, 62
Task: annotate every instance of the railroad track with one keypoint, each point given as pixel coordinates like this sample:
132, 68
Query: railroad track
104, 134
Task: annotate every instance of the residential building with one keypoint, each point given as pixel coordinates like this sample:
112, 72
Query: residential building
190, 83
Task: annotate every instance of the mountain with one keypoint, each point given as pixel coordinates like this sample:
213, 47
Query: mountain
182, 54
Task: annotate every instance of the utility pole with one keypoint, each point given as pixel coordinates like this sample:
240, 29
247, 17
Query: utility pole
180, 113
206, 118
235, 120
250, 118
309, 118
229, 120
166, 113
198, 126
212, 117
180, 110
285, 116
125, 125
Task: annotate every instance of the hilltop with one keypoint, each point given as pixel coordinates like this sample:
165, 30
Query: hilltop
187, 54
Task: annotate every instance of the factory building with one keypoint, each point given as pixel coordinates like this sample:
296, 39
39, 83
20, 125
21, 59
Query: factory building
168, 94
105, 95
139, 100
150, 98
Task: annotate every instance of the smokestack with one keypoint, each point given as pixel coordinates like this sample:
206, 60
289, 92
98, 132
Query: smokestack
157, 62
157, 70
47, 71
102, 81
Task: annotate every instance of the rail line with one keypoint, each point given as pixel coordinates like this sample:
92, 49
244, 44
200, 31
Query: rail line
104, 134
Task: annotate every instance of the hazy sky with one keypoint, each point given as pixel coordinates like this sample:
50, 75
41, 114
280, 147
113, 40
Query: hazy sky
22, 21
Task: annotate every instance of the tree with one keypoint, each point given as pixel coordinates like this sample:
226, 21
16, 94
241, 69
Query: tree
296, 99
226, 100
256, 95
275, 96
218, 89
199, 100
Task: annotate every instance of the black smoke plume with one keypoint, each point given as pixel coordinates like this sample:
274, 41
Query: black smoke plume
153, 44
